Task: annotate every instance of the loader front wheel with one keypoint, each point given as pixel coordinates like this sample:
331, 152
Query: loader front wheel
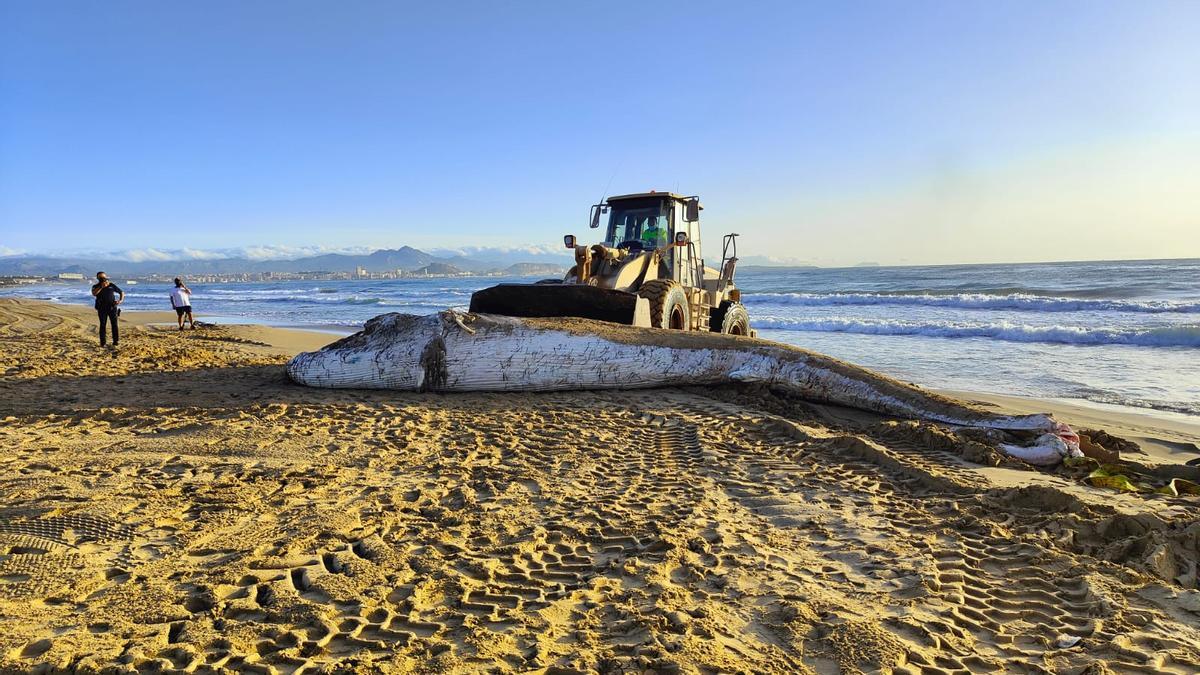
731, 318
668, 304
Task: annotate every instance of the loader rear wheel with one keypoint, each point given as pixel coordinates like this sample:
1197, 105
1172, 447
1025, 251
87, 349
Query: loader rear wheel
668, 304
731, 318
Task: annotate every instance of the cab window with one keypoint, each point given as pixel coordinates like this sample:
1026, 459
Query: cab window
638, 224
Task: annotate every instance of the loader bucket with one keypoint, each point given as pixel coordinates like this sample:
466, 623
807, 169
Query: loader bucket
553, 300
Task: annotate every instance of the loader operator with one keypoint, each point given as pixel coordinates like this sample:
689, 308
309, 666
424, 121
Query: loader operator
653, 235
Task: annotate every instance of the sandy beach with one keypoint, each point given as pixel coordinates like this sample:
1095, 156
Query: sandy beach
180, 506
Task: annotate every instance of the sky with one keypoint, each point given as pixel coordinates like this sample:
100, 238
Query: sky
824, 133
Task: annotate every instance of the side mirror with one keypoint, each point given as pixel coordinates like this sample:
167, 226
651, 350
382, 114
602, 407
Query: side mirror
691, 211
595, 218
681, 237
569, 240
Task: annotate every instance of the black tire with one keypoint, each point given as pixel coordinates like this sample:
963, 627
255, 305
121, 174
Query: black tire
546, 282
668, 304
731, 318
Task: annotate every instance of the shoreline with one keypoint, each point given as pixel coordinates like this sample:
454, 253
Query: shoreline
1165, 438
305, 336
1165, 441
295, 338
286, 339
1089, 411
1014, 355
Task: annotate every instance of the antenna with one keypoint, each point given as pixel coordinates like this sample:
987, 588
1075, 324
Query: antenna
609, 183
599, 207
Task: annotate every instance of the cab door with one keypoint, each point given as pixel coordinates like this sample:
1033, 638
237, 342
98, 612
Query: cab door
684, 258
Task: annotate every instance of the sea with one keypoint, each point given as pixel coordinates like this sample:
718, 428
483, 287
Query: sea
1123, 333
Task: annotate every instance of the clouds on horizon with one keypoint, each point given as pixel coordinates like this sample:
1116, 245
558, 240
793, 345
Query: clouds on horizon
531, 250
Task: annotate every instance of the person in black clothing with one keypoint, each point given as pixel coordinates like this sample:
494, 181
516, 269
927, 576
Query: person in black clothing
108, 298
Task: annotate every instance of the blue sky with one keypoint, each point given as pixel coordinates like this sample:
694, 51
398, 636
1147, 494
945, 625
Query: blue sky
891, 132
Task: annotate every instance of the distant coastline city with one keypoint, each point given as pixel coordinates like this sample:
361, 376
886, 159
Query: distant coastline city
403, 263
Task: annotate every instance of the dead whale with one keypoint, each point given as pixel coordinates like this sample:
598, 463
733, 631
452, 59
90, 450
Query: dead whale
455, 352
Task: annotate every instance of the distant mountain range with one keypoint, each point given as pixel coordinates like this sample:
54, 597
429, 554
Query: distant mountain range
516, 261
405, 258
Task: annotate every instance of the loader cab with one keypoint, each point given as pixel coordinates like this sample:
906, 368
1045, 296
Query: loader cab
639, 224
650, 221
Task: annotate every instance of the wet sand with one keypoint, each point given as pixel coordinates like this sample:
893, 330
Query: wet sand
180, 506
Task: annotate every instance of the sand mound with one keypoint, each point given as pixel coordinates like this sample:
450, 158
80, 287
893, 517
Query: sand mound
209, 517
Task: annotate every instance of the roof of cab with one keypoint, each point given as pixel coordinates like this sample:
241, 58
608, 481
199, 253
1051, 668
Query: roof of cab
643, 195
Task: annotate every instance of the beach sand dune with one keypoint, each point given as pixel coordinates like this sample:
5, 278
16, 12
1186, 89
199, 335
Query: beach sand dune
182, 507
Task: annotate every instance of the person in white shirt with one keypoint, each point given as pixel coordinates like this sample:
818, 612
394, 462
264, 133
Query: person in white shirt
181, 300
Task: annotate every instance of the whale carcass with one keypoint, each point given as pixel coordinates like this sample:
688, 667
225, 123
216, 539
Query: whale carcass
454, 352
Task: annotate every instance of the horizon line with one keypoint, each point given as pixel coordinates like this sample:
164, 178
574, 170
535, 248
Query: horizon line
370, 251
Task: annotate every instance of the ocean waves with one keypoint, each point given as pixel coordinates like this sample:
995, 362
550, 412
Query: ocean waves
1165, 336
983, 301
